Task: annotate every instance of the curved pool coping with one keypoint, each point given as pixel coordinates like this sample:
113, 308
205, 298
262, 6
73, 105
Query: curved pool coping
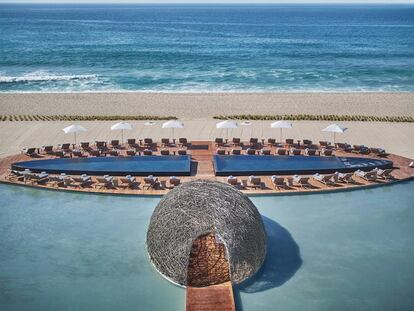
248, 193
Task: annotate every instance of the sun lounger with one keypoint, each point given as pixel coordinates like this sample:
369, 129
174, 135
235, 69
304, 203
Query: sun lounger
301, 181
361, 149
115, 143
325, 179
47, 149
31, 152
64, 147
232, 180
41, 178
219, 142
165, 142
114, 153
295, 151
385, 174
95, 153
255, 182
271, 142
151, 182
345, 177
281, 151
132, 142
82, 181
289, 141
254, 142
128, 182
14, 175
103, 182
100, 145
236, 151
310, 152
174, 181
221, 151
183, 142
236, 141
147, 152
265, 151
278, 182
131, 152
411, 164
307, 142
327, 152
250, 151
369, 176
85, 146
148, 142
165, 152
324, 144
182, 152
379, 152
344, 147
78, 153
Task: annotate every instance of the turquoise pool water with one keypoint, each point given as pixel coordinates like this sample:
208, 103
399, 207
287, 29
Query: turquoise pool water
341, 251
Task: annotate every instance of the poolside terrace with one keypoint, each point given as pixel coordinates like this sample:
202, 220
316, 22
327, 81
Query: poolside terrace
202, 153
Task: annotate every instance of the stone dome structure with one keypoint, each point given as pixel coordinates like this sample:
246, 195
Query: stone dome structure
199, 208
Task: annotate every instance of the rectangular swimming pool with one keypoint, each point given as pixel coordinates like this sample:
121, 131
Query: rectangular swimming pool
118, 166
225, 165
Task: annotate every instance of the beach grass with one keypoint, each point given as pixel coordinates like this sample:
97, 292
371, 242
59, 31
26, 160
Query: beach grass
81, 118
309, 117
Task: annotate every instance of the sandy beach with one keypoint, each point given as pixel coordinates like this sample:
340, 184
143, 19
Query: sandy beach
193, 105
197, 110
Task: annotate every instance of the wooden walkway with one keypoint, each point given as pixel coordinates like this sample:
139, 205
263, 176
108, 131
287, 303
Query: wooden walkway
211, 298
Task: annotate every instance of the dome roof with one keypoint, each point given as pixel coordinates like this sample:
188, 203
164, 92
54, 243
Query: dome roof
201, 207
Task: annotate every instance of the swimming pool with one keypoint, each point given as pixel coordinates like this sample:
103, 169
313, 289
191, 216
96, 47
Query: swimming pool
119, 166
225, 165
348, 250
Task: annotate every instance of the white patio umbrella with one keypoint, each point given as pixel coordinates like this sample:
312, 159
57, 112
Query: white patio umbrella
334, 128
173, 124
121, 126
281, 124
228, 124
74, 128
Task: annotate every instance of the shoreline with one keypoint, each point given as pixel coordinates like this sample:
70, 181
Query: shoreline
201, 105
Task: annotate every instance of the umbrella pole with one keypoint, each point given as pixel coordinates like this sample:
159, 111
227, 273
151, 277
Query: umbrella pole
122, 137
334, 137
280, 135
75, 138
227, 134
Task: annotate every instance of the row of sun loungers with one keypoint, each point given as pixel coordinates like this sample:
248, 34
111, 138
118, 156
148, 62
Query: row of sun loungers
85, 181
335, 179
280, 151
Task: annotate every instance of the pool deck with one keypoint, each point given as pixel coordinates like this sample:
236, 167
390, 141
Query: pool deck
201, 156
210, 298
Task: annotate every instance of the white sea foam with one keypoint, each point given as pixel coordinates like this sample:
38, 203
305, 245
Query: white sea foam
43, 76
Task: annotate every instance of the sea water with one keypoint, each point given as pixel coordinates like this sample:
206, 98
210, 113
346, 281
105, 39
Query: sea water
206, 48
335, 251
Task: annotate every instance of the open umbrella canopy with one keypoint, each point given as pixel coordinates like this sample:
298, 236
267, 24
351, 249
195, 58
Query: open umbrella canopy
282, 124
174, 124
228, 124
121, 126
74, 128
334, 128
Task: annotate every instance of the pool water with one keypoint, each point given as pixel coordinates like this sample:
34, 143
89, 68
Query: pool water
335, 251
137, 166
267, 165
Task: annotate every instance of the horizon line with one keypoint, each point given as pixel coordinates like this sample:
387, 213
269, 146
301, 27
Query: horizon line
384, 2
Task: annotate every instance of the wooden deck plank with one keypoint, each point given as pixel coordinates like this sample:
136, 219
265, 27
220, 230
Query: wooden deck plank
211, 298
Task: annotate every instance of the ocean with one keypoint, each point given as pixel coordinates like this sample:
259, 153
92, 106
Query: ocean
206, 48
